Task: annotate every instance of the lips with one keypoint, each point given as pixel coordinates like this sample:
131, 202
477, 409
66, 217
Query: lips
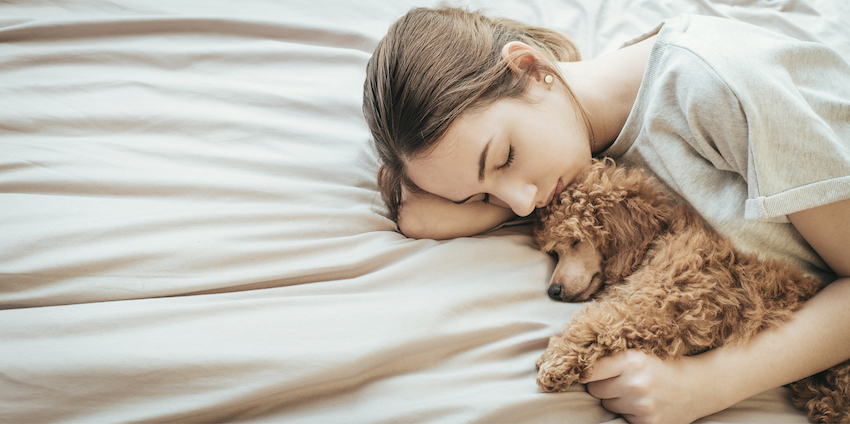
556, 193
558, 190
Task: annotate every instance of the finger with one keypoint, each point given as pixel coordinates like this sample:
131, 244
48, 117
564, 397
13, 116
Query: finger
605, 368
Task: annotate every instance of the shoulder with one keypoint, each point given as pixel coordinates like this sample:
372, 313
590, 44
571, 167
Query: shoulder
763, 101
744, 53
712, 35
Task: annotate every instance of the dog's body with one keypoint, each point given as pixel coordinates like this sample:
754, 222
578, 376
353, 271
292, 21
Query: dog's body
664, 282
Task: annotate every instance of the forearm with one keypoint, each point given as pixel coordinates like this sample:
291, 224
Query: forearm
429, 216
816, 338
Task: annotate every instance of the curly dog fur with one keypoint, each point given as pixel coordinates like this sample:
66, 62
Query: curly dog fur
663, 282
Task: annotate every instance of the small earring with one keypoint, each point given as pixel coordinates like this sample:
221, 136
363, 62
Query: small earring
548, 79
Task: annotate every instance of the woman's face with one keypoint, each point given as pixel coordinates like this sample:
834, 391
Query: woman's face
514, 153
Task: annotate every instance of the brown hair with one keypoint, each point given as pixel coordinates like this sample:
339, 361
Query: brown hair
435, 64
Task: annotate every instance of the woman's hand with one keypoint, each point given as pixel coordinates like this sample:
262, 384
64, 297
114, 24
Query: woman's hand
645, 389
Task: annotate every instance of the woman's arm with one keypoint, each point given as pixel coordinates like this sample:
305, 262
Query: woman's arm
645, 389
425, 215
827, 229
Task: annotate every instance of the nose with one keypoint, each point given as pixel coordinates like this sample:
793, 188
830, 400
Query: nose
521, 198
555, 291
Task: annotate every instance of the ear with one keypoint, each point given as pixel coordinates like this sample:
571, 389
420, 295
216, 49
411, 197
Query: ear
523, 59
633, 225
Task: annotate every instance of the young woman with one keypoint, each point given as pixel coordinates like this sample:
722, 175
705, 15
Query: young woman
478, 120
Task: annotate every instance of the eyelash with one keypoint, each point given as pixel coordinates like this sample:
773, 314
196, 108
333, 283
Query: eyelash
510, 159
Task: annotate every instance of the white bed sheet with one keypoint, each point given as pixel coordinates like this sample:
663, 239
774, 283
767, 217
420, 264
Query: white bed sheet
191, 231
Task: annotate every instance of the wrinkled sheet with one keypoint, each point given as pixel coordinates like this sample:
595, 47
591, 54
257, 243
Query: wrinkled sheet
190, 228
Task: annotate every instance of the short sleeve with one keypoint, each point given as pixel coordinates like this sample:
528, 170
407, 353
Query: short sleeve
796, 99
731, 121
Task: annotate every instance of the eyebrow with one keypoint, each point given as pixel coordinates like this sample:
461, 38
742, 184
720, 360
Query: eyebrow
481, 162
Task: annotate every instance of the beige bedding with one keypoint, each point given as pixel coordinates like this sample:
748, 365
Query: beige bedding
190, 228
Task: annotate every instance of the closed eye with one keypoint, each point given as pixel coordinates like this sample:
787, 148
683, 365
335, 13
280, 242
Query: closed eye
510, 159
485, 199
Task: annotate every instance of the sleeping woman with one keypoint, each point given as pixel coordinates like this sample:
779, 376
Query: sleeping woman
478, 120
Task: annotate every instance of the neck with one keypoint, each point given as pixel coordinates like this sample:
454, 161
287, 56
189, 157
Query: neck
607, 87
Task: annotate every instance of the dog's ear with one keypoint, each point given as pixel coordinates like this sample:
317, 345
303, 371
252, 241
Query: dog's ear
633, 223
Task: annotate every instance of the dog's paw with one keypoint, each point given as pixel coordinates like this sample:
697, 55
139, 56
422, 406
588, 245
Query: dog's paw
557, 368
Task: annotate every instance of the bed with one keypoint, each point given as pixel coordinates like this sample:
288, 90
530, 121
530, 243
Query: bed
190, 228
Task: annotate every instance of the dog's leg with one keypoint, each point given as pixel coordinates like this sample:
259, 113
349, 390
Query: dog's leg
628, 319
825, 396
595, 333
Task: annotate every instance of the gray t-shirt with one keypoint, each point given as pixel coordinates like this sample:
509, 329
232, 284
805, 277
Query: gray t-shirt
747, 126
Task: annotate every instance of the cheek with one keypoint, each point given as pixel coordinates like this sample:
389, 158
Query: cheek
547, 161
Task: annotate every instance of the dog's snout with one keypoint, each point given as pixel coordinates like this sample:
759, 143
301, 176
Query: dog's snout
555, 291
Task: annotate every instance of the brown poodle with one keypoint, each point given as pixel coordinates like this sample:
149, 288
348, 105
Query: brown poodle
663, 282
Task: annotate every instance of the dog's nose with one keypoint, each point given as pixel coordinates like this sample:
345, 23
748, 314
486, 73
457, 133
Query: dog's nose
555, 291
